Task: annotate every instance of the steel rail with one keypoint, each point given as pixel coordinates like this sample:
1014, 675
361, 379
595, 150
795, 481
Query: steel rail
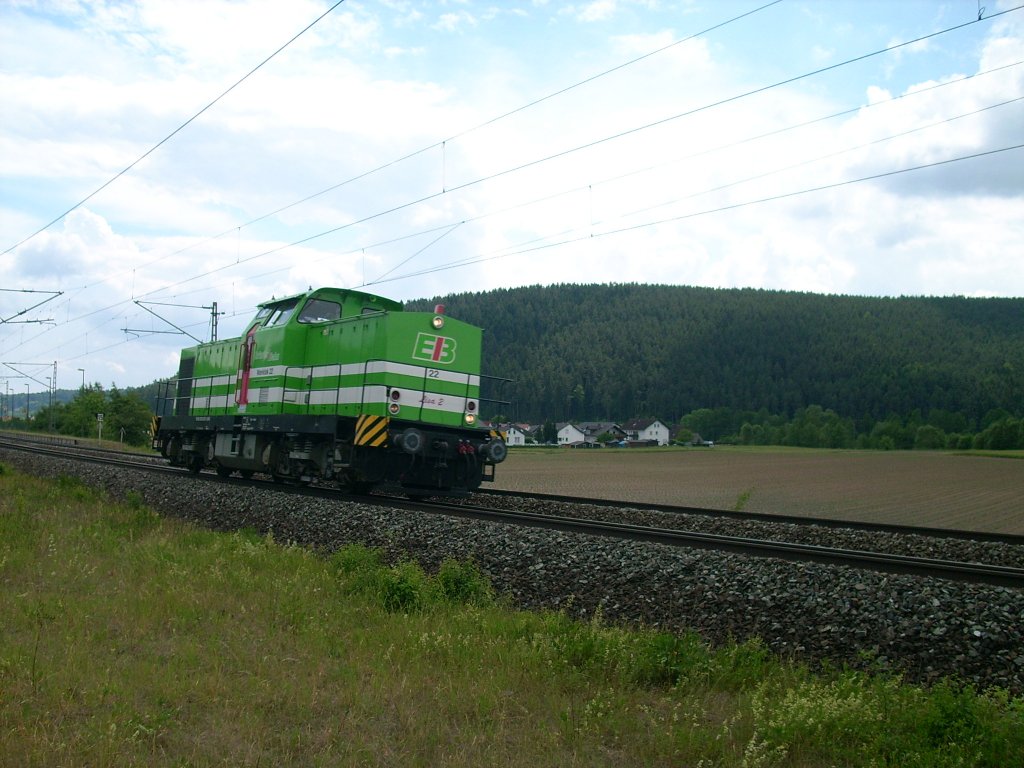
769, 517
978, 573
998, 575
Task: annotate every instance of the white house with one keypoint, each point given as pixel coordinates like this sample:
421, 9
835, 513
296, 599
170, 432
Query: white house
647, 429
570, 434
515, 436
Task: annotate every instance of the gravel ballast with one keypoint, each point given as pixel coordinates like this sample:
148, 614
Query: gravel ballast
924, 628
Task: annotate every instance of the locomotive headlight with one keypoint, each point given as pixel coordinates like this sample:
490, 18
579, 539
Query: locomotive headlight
437, 322
471, 418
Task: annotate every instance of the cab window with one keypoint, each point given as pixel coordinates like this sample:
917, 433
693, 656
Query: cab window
257, 321
318, 311
281, 313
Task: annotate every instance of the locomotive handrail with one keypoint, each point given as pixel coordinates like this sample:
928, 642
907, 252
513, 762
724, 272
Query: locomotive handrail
285, 389
499, 381
173, 393
362, 385
160, 402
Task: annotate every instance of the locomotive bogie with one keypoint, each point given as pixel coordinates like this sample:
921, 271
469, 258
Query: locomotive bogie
412, 458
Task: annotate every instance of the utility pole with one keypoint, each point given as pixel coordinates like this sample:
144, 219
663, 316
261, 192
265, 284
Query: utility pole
213, 319
49, 392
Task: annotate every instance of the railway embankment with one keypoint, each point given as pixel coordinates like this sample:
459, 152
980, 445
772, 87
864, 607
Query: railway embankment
926, 629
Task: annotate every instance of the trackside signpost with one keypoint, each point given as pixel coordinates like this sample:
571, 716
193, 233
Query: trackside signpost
99, 426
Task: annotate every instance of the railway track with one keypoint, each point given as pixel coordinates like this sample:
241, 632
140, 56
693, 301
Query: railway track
971, 572
724, 514
978, 573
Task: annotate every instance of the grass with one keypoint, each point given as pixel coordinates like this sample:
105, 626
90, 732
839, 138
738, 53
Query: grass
990, 454
128, 639
741, 500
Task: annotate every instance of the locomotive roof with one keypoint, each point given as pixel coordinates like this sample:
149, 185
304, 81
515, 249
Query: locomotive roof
337, 294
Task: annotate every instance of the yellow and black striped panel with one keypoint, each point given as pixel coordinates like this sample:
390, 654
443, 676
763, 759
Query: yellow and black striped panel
372, 430
154, 427
499, 433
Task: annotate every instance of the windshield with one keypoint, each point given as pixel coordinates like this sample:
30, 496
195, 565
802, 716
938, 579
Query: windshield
279, 313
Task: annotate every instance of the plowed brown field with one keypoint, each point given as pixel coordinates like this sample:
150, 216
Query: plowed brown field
933, 489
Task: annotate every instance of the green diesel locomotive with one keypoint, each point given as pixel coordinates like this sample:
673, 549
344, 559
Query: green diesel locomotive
341, 385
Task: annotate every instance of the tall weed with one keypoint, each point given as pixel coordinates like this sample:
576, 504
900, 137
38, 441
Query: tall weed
462, 583
839, 721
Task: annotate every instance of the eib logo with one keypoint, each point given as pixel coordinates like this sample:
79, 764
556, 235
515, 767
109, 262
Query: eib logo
436, 349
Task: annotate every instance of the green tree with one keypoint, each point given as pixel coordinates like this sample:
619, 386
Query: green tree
80, 414
1002, 435
576, 398
127, 418
683, 435
929, 438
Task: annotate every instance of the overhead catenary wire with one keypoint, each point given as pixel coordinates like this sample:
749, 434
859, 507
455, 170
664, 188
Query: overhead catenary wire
461, 134
775, 132
171, 135
446, 189
465, 132
574, 149
479, 259
307, 239
710, 211
536, 245
514, 111
449, 227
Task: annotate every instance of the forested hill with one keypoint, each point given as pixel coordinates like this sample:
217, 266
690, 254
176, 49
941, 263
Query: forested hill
595, 352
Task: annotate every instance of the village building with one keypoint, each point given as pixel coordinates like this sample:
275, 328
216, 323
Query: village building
570, 434
646, 431
515, 435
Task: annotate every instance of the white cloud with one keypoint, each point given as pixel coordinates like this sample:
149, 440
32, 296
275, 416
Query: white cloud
453, 22
370, 86
598, 10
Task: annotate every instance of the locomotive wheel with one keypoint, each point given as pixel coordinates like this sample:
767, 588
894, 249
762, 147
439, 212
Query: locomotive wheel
223, 471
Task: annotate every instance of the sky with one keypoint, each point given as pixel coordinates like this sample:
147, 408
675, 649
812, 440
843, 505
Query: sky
159, 156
